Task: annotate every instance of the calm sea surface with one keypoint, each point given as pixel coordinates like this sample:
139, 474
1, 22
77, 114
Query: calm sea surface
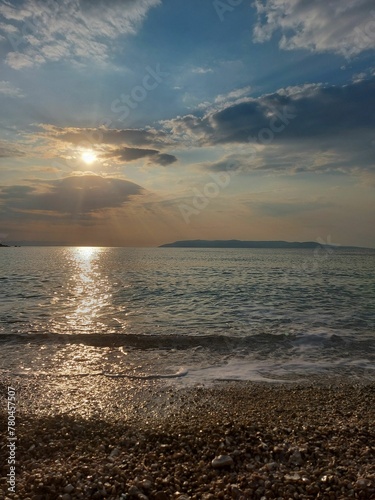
202, 314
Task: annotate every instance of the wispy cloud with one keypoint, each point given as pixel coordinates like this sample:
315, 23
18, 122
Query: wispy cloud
40, 31
345, 28
233, 95
6, 88
201, 71
9, 150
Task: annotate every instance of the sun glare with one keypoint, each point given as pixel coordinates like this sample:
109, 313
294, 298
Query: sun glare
88, 157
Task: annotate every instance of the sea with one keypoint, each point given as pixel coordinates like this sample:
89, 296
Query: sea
191, 316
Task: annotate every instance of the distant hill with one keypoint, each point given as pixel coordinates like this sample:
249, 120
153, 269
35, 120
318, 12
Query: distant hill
247, 244
3, 245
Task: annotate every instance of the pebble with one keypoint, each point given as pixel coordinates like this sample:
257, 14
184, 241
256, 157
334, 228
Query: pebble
312, 448
222, 461
115, 452
293, 477
295, 458
145, 484
133, 491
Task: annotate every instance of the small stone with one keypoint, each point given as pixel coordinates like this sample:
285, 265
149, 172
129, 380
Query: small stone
296, 458
236, 492
146, 484
69, 488
115, 452
292, 477
361, 483
134, 491
271, 466
222, 461
183, 497
66, 496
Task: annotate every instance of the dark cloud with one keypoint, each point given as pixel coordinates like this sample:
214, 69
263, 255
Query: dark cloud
90, 137
306, 128
230, 164
164, 159
74, 195
307, 112
131, 154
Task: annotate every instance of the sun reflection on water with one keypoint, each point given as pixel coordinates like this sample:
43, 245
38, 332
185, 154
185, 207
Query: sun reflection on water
89, 291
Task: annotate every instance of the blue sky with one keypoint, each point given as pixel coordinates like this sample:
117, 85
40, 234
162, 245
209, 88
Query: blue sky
140, 122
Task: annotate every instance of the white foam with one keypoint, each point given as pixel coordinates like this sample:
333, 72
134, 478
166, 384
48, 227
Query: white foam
292, 370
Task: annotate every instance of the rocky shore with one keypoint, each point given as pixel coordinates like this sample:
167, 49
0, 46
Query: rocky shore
114, 439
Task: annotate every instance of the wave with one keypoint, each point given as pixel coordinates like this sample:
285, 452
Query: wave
217, 343
182, 372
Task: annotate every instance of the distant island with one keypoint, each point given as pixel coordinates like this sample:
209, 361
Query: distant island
250, 244
1, 245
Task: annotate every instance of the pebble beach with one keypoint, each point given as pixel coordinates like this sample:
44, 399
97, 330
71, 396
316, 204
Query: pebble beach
117, 439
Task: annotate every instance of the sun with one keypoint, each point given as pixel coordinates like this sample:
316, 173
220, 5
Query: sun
88, 157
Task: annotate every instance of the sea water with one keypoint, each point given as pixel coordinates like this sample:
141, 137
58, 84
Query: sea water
189, 315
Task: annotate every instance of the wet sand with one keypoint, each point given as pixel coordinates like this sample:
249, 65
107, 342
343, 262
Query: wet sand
94, 437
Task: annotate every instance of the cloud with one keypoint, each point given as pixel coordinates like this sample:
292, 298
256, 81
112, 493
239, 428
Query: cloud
74, 195
9, 150
201, 71
131, 154
346, 28
164, 159
311, 127
41, 31
90, 137
6, 88
114, 144
295, 113
233, 95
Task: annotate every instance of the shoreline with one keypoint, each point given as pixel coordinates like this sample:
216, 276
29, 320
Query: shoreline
121, 439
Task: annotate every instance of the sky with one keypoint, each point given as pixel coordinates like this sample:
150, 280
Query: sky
142, 122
